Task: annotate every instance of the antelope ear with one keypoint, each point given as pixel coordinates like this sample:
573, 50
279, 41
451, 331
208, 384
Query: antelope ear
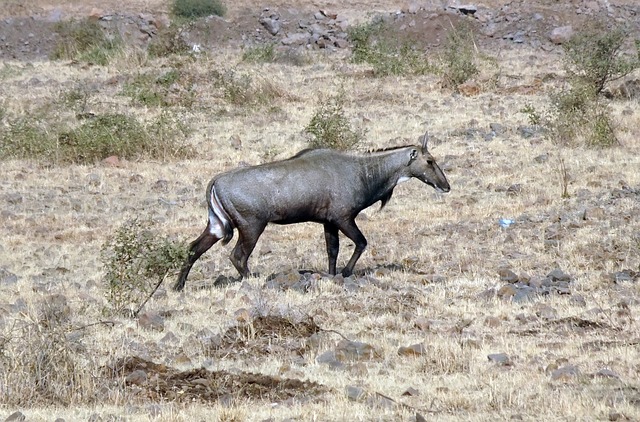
425, 140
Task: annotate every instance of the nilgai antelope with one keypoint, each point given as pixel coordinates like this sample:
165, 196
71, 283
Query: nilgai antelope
319, 185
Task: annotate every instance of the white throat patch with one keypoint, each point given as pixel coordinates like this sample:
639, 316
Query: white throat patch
402, 180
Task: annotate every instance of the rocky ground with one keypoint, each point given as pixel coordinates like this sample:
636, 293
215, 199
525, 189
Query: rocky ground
500, 300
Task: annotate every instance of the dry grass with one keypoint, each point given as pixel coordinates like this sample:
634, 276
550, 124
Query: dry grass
56, 219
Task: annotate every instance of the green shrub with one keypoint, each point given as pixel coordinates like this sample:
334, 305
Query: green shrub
374, 43
96, 138
193, 9
594, 55
84, 41
458, 56
27, 137
593, 58
173, 87
330, 128
137, 259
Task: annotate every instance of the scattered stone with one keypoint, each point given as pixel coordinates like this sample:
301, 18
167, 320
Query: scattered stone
501, 359
559, 275
566, 373
542, 158
151, 321
7, 277
160, 186
411, 392
355, 393
112, 161
137, 377
296, 39
469, 88
507, 291
329, 358
619, 277
422, 323
465, 9
235, 142
606, 373
514, 190
16, 417
347, 350
413, 350
561, 34
271, 25
507, 276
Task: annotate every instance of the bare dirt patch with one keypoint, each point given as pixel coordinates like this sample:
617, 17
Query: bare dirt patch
158, 382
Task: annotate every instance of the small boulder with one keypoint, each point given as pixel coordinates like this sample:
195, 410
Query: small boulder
561, 34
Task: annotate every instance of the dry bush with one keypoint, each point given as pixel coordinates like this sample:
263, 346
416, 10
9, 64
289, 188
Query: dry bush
42, 360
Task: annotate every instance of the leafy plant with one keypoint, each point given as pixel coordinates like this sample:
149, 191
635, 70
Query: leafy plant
137, 259
85, 41
374, 43
594, 55
193, 9
458, 56
330, 128
532, 114
593, 58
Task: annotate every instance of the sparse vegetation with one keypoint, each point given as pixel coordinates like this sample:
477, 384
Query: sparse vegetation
193, 9
374, 44
265, 53
167, 42
137, 260
330, 128
593, 58
459, 56
173, 87
242, 89
41, 359
534, 256
96, 138
85, 41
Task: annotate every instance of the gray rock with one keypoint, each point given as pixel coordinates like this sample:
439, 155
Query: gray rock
7, 277
413, 350
501, 359
137, 377
559, 275
355, 393
465, 9
347, 350
151, 321
271, 25
565, 373
561, 34
296, 39
16, 417
507, 276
